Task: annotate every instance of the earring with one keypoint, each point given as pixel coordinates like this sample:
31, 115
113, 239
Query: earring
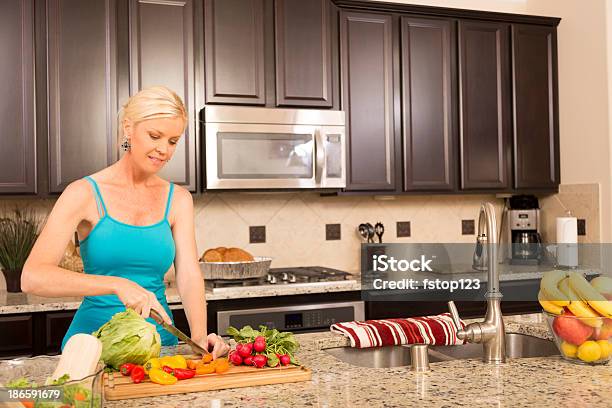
126, 145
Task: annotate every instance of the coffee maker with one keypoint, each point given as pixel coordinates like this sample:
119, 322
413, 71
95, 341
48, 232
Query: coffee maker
524, 230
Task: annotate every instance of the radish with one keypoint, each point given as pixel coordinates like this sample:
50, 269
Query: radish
260, 360
260, 344
245, 349
248, 360
285, 359
236, 359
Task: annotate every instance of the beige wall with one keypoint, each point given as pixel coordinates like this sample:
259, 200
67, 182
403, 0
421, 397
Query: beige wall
295, 222
584, 43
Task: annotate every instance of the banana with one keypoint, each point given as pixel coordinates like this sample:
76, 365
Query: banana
603, 284
588, 316
549, 285
596, 300
549, 306
578, 307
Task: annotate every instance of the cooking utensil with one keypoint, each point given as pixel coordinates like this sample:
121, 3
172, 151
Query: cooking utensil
258, 268
363, 231
371, 232
379, 228
173, 330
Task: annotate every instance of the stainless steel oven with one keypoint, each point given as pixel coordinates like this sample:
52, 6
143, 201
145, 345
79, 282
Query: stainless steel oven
250, 148
296, 318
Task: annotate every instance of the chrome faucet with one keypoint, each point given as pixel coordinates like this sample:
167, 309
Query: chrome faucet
491, 332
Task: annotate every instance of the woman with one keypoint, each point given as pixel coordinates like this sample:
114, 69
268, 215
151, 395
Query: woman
133, 226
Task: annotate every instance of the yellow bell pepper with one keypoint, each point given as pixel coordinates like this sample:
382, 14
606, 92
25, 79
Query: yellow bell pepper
177, 361
152, 363
159, 376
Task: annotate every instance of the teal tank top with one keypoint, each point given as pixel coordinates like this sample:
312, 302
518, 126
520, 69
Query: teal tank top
142, 254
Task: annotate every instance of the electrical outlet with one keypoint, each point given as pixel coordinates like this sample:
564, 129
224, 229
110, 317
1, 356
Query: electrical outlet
257, 234
402, 229
468, 227
332, 232
581, 226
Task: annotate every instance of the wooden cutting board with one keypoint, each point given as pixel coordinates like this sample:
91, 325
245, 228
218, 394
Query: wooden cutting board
118, 387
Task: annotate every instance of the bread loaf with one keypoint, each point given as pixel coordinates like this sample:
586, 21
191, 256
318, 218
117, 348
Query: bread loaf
223, 254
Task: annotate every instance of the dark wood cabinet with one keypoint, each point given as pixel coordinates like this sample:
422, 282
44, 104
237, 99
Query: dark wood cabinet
17, 104
235, 55
428, 103
56, 326
17, 335
534, 79
303, 44
82, 88
367, 60
162, 53
484, 101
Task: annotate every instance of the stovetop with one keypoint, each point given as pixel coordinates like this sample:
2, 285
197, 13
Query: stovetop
285, 276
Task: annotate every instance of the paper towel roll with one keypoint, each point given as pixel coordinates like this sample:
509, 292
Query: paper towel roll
567, 241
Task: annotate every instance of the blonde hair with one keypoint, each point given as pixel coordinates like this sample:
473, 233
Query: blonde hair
154, 102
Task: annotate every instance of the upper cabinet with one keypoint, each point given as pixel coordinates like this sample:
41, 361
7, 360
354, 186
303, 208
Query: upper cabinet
272, 53
428, 104
82, 88
303, 46
484, 102
534, 78
17, 106
162, 53
366, 45
234, 45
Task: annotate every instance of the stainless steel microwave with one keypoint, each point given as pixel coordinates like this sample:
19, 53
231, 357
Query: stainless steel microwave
252, 148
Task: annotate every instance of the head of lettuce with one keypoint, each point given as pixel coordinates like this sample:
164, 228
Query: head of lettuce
128, 338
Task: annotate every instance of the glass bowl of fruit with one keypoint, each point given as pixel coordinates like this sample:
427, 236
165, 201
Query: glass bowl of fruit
581, 340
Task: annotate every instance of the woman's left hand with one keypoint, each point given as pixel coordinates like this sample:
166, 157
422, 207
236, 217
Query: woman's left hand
215, 344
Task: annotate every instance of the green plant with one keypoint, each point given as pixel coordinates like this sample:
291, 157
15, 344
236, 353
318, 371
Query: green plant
18, 233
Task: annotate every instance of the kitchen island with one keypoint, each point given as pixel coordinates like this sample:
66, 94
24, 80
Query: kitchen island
547, 381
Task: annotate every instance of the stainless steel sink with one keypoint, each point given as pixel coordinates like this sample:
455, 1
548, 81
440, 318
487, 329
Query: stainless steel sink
517, 346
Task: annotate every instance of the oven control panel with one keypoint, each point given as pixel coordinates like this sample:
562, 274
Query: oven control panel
293, 318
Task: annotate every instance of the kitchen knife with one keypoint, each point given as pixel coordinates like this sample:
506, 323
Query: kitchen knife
173, 330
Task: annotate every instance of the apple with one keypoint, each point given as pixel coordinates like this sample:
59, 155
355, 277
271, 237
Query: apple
604, 332
571, 329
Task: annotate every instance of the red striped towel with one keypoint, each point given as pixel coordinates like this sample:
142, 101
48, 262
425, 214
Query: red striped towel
434, 330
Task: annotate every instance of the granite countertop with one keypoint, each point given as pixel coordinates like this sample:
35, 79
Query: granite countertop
25, 303
548, 381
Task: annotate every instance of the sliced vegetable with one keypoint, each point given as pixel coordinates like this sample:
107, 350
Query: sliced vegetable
221, 365
176, 361
152, 363
159, 376
183, 374
203, 368
207, 358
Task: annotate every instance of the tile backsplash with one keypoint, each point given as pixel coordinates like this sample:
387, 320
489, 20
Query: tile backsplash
295, 223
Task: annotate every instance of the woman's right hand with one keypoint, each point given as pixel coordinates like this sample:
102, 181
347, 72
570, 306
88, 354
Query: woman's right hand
134, 296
